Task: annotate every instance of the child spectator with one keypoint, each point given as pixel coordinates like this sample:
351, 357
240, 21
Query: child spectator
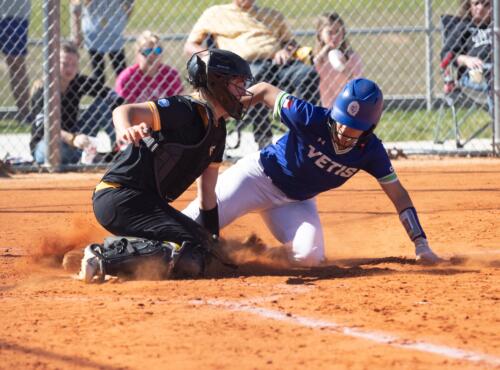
148, 79
334, 58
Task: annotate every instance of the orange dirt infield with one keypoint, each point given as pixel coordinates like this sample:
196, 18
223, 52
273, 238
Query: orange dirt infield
371, 307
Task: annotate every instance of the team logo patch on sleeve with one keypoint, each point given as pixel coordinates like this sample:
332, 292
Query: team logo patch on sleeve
163, 103
288, 103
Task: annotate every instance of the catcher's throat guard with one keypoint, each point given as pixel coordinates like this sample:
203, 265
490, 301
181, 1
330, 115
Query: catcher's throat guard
134, 256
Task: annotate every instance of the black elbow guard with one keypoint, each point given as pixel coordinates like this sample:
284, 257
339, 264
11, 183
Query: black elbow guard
210, 220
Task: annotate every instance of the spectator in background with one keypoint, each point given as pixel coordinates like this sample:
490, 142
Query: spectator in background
73, 87
14, 22
101, 25
471, 45
334, 58
262, 37
148, 79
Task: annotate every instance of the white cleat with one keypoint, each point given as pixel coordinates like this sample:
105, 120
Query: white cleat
90, 266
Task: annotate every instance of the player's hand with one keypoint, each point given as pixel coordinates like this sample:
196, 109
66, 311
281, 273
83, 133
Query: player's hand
134, 134
424, 253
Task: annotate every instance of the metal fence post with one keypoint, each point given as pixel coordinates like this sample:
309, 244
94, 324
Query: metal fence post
496, 77
51, 88
429, 45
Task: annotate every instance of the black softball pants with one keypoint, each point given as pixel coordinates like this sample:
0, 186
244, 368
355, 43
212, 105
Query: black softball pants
134, 213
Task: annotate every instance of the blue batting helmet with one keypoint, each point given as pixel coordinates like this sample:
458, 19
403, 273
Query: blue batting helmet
359, 105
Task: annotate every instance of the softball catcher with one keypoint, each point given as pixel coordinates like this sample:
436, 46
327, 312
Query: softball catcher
321, 151
172, 142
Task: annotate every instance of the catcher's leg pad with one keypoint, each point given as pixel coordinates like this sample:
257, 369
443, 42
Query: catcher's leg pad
143, 258
134, 257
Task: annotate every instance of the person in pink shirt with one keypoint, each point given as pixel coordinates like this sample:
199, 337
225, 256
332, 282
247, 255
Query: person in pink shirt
334, 58
148, 79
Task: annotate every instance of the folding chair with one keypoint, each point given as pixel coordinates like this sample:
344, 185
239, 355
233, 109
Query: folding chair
455, 96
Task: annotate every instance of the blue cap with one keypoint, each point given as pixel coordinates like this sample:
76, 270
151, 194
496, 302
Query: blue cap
359, 105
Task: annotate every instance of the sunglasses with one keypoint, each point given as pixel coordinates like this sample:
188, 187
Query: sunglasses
148, 51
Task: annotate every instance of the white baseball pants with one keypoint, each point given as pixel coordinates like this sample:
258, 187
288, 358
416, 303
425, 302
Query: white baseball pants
244, 188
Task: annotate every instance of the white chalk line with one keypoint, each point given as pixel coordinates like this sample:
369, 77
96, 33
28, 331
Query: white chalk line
374, 336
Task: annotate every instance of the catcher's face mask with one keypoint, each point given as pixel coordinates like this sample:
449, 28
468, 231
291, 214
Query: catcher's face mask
228, 90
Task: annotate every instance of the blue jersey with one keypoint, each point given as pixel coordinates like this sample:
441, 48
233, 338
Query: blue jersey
303, 163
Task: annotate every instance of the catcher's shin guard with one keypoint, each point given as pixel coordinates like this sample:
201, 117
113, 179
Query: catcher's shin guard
129, 256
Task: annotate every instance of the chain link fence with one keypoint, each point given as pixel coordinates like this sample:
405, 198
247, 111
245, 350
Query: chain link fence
432, 105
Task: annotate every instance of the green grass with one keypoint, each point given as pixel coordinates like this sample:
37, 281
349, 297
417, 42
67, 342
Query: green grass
421, 125
13, 127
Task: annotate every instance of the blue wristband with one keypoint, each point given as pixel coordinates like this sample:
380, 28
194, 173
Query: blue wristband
409, 219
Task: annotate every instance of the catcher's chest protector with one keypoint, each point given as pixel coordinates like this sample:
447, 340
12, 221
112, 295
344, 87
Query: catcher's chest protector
177, 166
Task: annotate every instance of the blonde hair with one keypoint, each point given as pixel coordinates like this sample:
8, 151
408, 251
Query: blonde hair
330, 19
146, 37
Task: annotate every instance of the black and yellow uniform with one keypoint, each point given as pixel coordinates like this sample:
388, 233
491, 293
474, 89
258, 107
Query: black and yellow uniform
134, 194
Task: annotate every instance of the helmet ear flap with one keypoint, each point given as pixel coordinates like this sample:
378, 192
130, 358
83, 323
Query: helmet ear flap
197, 71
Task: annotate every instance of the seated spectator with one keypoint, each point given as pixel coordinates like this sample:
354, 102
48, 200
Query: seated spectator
334, 58
100, 25
14, 22
471, 44
148, 79
262, 37
73, 87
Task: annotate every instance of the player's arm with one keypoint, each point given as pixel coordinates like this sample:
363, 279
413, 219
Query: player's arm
264, 93
409, 218
133, 122
208, 200
398, 195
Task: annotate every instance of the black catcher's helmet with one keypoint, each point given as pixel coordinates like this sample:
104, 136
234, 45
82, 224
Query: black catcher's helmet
215, 74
